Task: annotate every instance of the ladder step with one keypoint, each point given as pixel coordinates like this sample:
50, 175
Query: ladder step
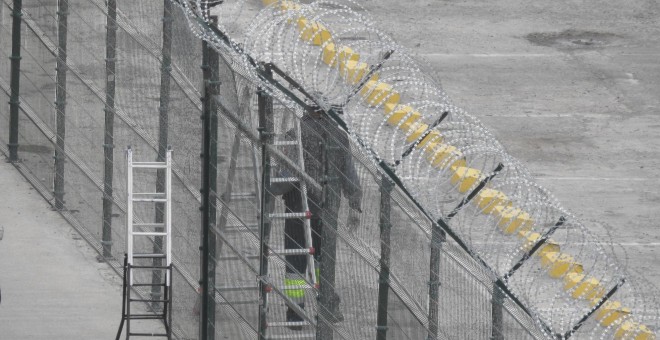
285, 142
149, 199
149, 225
288, 324
237, 258
292, 337
150, 267
150, 165
243, 195
236, 288
148, 285
149, 334
149, 194
145, 317
148, 256
306, 214
304, 251
284, 179
149, 233
149, 300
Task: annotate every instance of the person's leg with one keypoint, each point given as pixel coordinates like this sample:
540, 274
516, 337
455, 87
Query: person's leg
317, 225
294, 277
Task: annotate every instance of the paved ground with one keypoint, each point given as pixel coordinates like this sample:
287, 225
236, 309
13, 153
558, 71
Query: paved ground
570, 88
52, 286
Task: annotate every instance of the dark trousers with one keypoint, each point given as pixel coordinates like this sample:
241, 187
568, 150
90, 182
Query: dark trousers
294, 231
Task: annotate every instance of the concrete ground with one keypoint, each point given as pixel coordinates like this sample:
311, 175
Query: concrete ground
571, 88
52, 286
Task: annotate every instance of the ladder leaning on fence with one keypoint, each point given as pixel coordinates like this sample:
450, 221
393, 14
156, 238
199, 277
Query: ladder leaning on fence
270, 286
155, 265
296, 283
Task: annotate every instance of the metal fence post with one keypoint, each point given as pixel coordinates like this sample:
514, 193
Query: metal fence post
163, 126
437, 237
209, 186
15, 79
60, 102
496, 314
329, 206
108, 141
265, 103
384, 274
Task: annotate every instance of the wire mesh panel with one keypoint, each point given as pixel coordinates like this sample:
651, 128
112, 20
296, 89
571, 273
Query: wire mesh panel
326, 218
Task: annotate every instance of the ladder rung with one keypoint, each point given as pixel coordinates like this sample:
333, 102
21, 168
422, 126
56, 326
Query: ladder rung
305, 286
240, 302
149, 199
145, 317
284, 179
146, 256
237, 288
285, 142
238, 195
304, 251
150, 165
149, 224
288, 324
149, 233
150, 267
236, 258
148, 285
149, 194
149, 300
148, 334
306, 214
292, 337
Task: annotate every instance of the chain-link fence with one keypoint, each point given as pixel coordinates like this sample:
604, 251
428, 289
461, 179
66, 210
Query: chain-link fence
304, 232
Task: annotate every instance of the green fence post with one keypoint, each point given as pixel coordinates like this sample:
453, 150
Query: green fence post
60, 102
209, 186
266, 130
108, 142
496, 314
384, 275
163, 126
437, 237
15, 58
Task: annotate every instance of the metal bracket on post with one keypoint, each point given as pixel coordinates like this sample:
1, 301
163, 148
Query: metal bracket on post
421, 138
602, 301
533, 250
368, 77
474, 192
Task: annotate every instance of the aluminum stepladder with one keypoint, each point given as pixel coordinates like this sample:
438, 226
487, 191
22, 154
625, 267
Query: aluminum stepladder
266, 284
138, 232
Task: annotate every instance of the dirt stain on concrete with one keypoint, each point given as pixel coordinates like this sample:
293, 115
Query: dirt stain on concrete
573, 39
